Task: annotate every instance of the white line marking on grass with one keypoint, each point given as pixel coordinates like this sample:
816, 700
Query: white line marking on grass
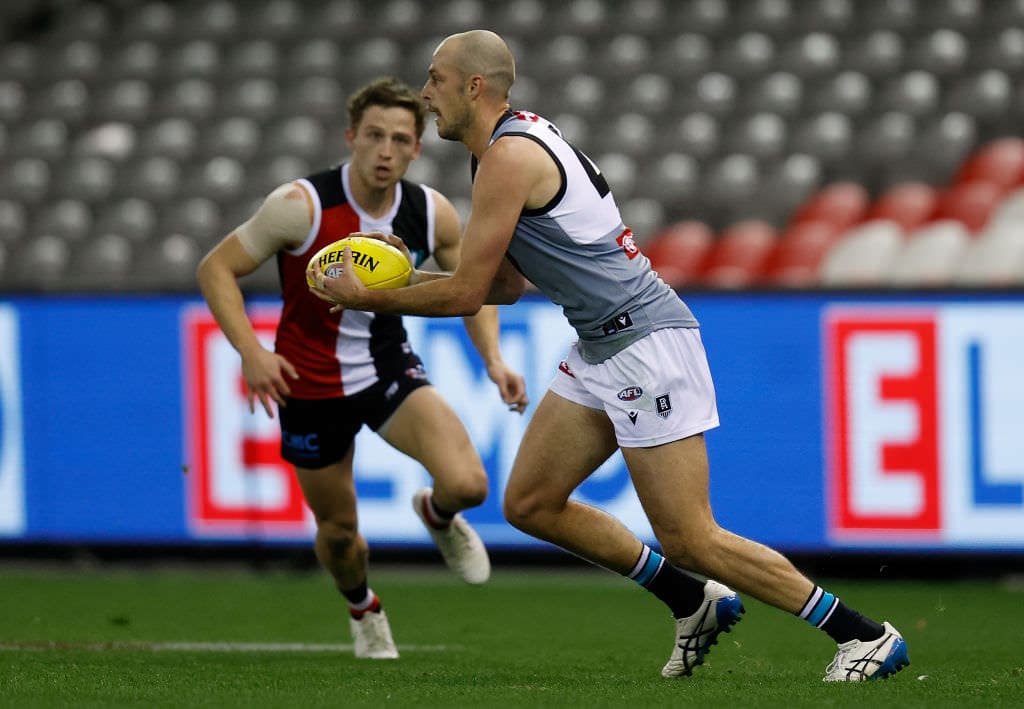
143, 646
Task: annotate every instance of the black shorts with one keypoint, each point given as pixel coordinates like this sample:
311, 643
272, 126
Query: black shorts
318, 432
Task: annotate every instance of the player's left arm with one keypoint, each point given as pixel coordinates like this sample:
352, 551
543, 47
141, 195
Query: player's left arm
483, 328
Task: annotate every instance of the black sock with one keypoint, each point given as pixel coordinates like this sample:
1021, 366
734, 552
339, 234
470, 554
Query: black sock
681, 592
356, 595
825, 611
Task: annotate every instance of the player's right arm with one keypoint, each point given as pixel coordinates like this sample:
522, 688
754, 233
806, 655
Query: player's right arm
283, 220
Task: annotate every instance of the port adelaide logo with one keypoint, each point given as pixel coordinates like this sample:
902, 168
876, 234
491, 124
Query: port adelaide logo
663, 405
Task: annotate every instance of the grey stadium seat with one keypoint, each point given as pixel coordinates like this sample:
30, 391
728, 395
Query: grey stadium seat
198, 217
847, 92
813, 55
168, 264
238, 137
943, 52
697, 134
898, 15
256, 57
707, 17
127, 100
156, 178
173, 137
46, 138
40, 263
157, 19
779, 92
13, 100
194, 99
746, 55
131, 217
138, 59
13, 220
66, 99
26, 180
68, 219
684, 55
877, 55
827, 136
102, 263
762, 135
88, 178
916, 93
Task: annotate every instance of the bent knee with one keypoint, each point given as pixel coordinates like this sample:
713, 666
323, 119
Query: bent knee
526, 512
465, 490
698, 552
340, 536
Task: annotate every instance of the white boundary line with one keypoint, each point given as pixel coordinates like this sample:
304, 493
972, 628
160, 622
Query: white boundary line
185, 646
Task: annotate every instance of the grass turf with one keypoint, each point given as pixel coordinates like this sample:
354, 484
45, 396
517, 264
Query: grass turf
529, 638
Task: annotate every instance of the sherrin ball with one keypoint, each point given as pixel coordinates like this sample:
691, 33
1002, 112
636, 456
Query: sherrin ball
377, 263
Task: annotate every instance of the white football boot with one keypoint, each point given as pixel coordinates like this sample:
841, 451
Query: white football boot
463, 550
371, 636
695, 634
863, 660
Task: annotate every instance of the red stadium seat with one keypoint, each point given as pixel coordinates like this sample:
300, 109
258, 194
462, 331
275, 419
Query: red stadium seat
677, 252
841, 204
909, 204
1000, 161
737, 257
971, 203
796, 257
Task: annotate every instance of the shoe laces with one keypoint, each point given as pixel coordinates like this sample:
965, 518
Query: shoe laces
843, 664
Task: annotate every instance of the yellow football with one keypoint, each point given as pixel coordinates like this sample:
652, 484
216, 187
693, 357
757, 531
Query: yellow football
377, 263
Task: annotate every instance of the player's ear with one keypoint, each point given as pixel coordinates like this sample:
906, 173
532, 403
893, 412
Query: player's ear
350, 136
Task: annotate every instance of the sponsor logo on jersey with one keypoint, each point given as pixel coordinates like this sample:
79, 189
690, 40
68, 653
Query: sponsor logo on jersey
630, 393
563, 367
628, 244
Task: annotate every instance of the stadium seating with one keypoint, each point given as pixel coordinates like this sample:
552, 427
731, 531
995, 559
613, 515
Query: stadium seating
123, 116
910, 204
795, 260
677, 252
863, 255
738, 255
930, 256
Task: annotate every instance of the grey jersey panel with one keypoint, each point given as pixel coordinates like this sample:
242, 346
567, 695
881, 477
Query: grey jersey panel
578, 252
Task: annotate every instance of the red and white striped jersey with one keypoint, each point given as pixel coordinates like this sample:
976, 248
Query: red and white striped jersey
343, 353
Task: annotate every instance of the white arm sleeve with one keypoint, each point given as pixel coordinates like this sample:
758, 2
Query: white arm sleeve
282, 221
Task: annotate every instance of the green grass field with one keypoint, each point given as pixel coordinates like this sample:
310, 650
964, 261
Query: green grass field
530, 638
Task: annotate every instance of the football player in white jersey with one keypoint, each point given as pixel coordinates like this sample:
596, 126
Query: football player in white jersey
332, 373
637, 380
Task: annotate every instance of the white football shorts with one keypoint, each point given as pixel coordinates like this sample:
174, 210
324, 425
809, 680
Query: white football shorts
657, 390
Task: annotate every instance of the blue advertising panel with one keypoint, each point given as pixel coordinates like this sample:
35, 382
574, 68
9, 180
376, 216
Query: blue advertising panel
848, 422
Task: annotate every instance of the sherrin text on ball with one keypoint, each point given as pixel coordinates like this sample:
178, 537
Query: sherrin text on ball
377, 263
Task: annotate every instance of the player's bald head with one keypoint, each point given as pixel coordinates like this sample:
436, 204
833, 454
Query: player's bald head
481, 52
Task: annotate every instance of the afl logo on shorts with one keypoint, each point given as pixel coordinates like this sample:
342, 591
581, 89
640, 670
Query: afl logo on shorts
630, 394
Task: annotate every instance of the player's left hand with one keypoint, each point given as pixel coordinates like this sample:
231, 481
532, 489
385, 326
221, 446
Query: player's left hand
342, 292
511, 385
